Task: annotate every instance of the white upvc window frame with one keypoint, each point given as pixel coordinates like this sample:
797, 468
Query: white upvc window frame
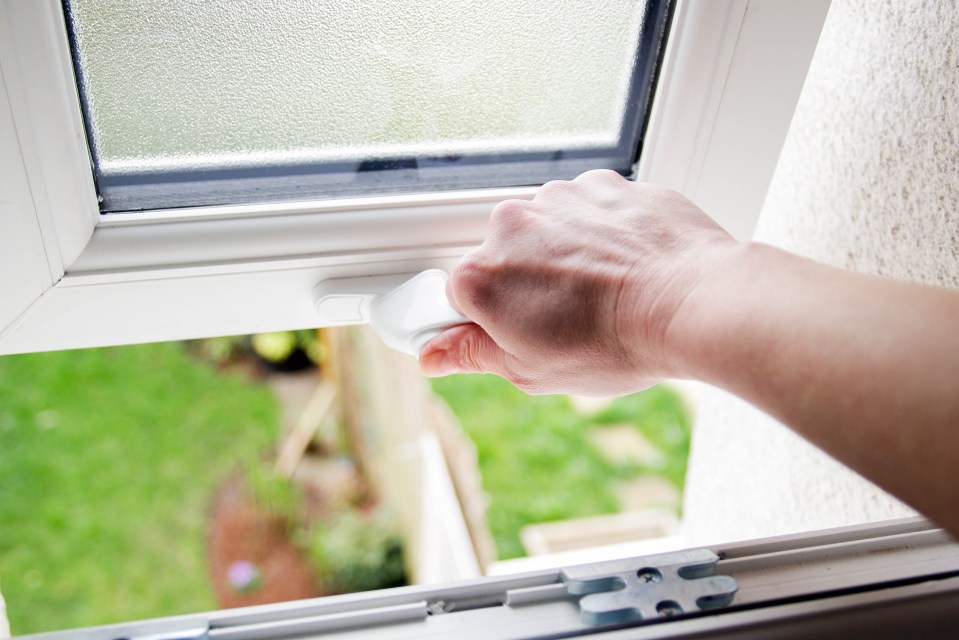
731, 75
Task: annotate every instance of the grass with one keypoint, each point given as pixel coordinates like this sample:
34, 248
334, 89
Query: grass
537, 461
108, 461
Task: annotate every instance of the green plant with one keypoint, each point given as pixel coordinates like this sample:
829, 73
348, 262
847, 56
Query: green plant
274, 493
358, 551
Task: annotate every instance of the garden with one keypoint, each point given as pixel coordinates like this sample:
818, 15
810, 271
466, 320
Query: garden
137, 482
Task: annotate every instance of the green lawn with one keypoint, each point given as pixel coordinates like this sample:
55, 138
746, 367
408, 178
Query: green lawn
108, 461
537, 461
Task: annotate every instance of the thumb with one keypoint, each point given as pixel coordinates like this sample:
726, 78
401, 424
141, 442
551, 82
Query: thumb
466, 348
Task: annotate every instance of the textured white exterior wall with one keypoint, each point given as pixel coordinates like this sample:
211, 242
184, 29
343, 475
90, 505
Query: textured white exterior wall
868, 180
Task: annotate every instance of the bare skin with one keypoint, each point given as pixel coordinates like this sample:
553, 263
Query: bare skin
602, 287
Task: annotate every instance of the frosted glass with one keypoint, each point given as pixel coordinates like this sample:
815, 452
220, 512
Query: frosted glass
207, 84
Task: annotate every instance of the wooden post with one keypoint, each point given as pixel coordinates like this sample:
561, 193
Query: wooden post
343, 361
294, 446
321, 404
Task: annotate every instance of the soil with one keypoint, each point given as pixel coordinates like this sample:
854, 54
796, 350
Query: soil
241, 531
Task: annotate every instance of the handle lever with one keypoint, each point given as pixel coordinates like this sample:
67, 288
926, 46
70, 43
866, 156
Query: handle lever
407, 312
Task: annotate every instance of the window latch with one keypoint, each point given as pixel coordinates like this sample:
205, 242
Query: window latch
406, 310
649, 588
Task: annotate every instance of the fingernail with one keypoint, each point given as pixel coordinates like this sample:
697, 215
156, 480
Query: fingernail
436, 363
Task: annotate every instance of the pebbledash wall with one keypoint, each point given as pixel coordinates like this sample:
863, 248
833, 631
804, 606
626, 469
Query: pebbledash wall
868, 180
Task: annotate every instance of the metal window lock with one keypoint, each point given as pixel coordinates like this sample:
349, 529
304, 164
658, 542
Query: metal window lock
406, 310
649, 588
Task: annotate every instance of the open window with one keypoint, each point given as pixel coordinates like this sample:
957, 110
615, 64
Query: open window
114, 234
128, 219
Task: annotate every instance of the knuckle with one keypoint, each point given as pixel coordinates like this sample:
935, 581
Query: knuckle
510, 213
468, 356
600, 175
555, 195
606, 178
554, 187
470, 352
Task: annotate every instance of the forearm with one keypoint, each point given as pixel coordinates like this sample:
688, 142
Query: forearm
602, 286
863, 367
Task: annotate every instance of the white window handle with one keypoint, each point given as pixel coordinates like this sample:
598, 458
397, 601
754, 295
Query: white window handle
406, 313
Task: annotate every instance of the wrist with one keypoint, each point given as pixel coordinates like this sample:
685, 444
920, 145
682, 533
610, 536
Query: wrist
716, 297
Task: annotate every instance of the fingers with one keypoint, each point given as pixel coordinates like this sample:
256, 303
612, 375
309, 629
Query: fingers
463, 349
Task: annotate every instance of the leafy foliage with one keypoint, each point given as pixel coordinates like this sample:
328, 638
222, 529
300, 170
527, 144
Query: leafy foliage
274, 493
358, 551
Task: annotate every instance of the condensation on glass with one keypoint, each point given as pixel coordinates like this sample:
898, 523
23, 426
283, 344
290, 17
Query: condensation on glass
187, 101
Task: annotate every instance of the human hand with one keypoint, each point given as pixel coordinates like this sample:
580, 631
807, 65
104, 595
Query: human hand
575, 290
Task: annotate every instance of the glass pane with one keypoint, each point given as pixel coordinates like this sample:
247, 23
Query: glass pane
419, 93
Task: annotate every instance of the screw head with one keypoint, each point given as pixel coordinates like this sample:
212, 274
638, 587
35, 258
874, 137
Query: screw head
649, 575
668, 609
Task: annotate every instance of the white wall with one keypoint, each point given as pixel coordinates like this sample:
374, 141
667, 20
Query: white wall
868, 180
